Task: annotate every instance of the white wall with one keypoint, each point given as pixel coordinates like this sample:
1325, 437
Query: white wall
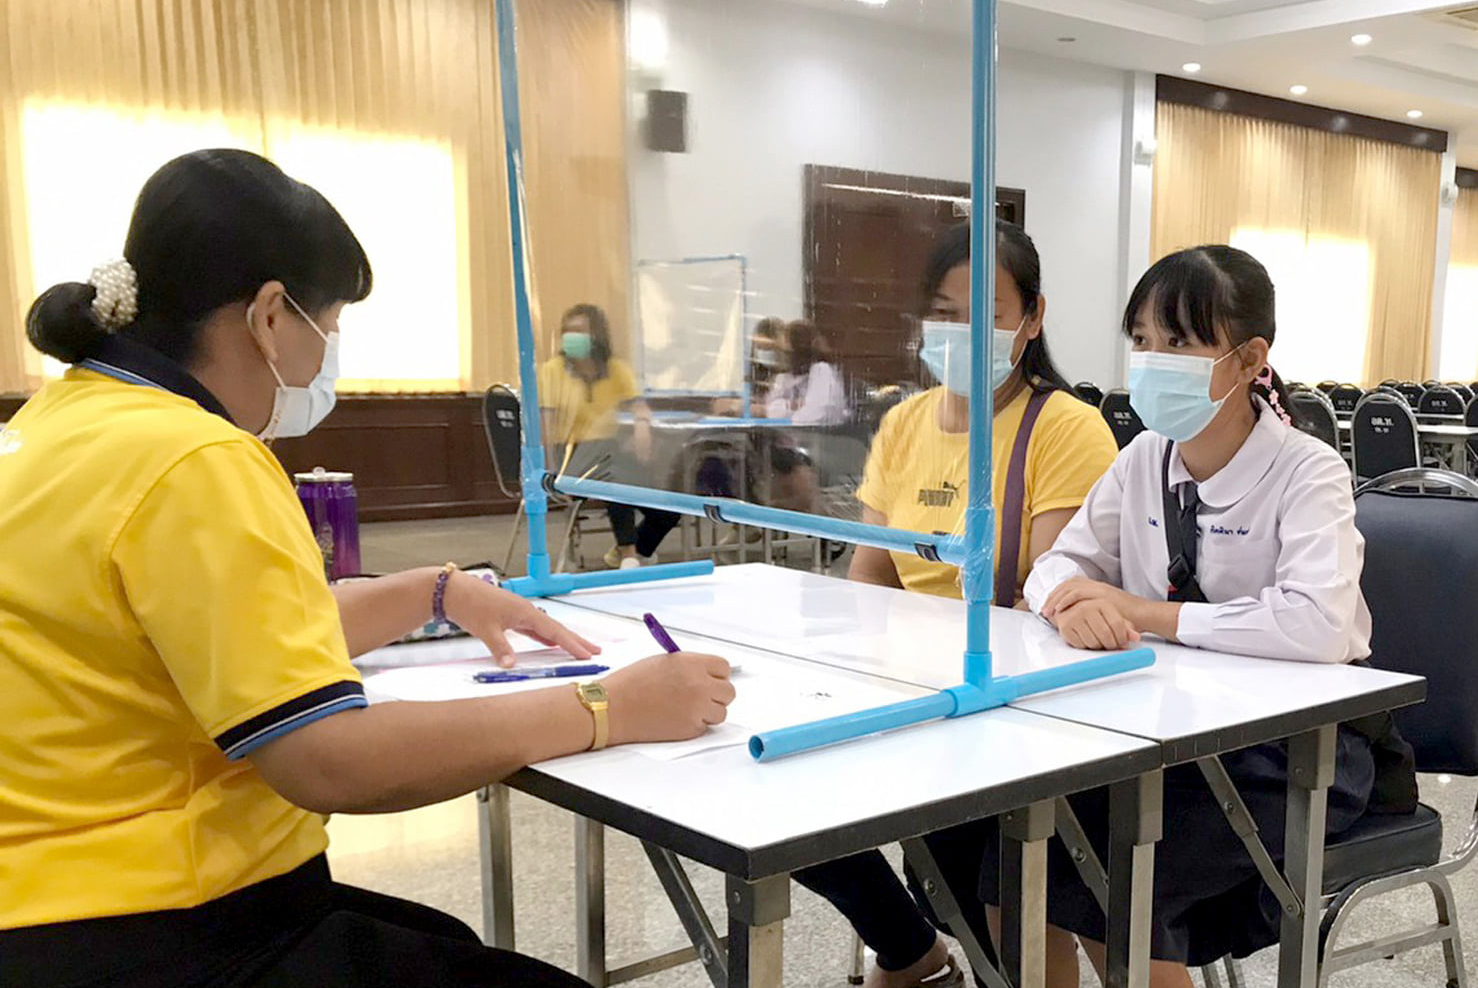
774, 86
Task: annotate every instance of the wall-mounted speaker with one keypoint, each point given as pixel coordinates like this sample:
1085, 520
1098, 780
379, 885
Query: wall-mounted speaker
667, 121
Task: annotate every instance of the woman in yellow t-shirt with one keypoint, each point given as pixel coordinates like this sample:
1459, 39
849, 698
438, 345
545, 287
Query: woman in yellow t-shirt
580, 392
179, 705
917, 478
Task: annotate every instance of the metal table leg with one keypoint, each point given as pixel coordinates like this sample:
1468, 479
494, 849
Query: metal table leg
1135, 822
590, 901
496, 845
1310, 774
757, 914
1024, 835
947, 909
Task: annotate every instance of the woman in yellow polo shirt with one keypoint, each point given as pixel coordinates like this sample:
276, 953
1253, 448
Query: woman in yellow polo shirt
917, 478
175, 684
580, 391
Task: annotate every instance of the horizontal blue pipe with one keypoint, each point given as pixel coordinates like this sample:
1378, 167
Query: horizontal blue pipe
949, 548
768, 745
957, 701
562, 583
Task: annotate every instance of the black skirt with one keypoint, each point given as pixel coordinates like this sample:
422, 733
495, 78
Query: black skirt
298, 929
1208, 898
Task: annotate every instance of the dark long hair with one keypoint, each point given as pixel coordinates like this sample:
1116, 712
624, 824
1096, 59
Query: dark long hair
208, 230
1017, 255
599, 328
1199, 292
807, 346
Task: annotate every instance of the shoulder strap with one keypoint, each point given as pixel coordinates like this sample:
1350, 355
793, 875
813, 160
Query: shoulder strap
1009, 554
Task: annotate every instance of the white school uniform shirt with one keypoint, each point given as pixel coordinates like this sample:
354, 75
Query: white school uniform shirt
819, 398
1279, 555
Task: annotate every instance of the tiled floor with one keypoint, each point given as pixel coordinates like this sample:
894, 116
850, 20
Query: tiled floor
430, 855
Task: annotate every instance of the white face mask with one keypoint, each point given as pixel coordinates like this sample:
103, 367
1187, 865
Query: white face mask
297, 411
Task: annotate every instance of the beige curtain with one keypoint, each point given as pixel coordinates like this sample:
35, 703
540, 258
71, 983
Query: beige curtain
405, 67
1219, 172
1465, 253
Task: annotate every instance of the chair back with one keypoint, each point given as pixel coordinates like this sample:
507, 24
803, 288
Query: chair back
1345, 397
1386, 389
1383, 435
1470, 419
1411, 391
1316, 415
502, 420
1464, 392
1421, 563
1089, 392
1123, 421
1327, 386
1440, 401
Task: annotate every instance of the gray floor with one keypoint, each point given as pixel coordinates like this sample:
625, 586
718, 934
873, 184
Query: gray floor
430, 855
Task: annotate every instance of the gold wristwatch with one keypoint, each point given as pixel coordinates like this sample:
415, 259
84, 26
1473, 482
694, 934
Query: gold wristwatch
594, 698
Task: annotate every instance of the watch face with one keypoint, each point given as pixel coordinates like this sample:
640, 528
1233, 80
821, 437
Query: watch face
593, 692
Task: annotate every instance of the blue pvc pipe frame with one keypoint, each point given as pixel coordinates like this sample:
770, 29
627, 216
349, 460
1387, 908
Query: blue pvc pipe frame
974, 554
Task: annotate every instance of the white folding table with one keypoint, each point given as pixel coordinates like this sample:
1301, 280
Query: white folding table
757, 823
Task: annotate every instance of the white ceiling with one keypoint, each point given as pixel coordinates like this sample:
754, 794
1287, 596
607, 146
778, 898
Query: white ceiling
1418, 60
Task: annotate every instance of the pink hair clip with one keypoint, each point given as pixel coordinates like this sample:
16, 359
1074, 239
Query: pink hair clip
1265, 378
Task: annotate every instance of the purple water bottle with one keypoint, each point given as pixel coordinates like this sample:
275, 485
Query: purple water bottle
333, 513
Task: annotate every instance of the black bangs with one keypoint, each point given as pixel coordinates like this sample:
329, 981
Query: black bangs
339, 269
1185, 294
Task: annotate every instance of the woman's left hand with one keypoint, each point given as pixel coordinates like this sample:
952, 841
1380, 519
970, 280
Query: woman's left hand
1081, 588
489, 613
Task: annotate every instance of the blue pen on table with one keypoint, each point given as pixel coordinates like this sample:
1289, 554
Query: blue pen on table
551, 672
660, 633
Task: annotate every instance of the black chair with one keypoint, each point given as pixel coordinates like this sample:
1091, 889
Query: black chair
1470, 419
1387, 389
1344, 398
1441, 400
502, 421
1411, 391
1465, 392
1121, 417
1421, 562
1383, 435
1431, 383
1316, 415
1326, 386
1089, 392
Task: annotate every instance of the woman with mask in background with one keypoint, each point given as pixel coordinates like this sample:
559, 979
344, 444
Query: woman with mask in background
1048, 449
581, 391
180, 710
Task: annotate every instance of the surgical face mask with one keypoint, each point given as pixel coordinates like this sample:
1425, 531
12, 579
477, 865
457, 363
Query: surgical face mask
946, 352
297, 411
576, 346
1171, 393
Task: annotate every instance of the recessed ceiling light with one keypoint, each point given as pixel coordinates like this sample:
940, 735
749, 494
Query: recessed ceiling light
1298, 90
1191, 67
1067, 40
1414, 114
1361, 39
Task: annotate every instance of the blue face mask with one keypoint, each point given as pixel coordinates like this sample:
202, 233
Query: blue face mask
576, 346
946, 352
1171, 393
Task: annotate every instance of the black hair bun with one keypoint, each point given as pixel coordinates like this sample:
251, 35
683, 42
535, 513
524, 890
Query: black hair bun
62, 324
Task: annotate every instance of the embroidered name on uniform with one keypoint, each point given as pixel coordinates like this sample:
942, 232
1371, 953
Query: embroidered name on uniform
941, 497
1219, 530
1154, 523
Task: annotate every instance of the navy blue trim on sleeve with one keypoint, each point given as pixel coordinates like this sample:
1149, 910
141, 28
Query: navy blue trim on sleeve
298, 712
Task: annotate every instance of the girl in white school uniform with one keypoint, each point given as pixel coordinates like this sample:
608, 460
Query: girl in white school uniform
1250, 524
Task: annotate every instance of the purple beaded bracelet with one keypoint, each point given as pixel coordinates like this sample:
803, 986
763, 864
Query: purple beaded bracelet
438, 596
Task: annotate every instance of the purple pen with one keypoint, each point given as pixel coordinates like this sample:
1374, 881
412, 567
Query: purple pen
660, 633
549, 672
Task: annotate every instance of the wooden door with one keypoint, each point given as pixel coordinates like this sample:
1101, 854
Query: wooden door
867, 237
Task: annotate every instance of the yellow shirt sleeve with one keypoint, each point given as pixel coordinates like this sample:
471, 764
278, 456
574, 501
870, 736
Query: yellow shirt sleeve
221, 572
623, 381
880, 478
1071, 447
